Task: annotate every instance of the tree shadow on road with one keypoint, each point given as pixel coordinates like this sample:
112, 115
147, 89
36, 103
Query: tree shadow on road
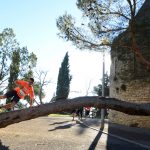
88, 123
95, 141
59, 122
82, 128
66, 126
3, 147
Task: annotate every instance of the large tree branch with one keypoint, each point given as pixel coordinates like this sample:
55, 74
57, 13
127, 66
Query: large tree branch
115, 13
111, 30
69, 104
94, 45
131, 7
109, 12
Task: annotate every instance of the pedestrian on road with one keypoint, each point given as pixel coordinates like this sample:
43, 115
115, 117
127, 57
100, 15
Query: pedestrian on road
87, 111
74, 114
80, 113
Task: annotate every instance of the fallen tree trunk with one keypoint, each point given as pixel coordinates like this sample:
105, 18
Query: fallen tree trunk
70, 104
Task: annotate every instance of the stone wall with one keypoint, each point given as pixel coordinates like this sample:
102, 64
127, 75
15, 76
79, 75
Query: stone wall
129, 80
133, 91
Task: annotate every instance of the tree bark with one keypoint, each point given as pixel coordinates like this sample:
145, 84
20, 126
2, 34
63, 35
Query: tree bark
70, 104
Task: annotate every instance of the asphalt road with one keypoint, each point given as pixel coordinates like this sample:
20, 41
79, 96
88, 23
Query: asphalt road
58, 133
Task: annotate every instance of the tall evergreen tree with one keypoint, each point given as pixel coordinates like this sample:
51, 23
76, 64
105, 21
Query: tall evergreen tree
64, 78
14, 69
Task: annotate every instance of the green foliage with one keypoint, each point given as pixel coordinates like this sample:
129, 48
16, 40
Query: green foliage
28, 62
21, 65
98, 89
32, 60
8, 45
64, 79
14, 69
37, 88
15, 61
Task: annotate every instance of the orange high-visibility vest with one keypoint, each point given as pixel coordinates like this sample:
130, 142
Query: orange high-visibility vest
25, 90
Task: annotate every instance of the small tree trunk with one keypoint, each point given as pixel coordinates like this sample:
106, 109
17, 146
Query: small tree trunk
40, 96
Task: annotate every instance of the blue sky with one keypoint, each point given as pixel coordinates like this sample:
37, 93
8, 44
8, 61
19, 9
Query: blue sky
34, 23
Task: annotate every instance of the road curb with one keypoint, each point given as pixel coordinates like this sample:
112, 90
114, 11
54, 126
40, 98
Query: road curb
115, 136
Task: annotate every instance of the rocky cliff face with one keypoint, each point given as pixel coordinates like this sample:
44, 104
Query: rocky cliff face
130, 81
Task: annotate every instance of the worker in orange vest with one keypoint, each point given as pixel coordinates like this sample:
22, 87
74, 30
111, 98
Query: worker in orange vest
23, 89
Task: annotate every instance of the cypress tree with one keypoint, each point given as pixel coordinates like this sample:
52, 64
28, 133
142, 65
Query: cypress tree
64, 79
14, 69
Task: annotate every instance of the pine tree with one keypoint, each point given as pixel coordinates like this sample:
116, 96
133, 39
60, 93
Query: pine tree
64, 78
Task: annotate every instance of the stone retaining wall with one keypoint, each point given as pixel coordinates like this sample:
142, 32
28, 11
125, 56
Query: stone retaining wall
130, 80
